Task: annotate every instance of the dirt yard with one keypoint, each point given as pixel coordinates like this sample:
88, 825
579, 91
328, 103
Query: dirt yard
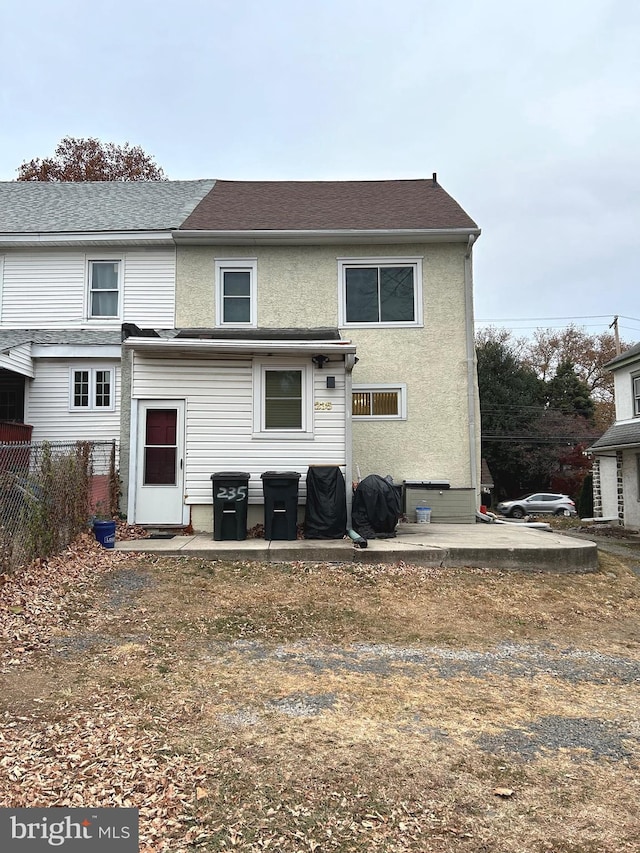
327, 708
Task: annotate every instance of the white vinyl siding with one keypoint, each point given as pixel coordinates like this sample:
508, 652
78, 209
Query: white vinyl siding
18, 360
149, 288
50, 290
47, 407
219, 421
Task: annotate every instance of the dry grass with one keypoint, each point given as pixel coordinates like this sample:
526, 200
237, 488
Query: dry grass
334, 708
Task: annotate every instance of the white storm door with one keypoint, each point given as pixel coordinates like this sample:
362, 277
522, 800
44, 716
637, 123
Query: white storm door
160, 462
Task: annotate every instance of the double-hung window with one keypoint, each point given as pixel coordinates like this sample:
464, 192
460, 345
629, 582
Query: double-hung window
380, 291
379, 402
92, 389
636, 396
104, 289
236, 291
283, 405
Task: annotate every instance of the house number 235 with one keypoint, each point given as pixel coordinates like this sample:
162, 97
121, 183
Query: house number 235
232, 493
323, 407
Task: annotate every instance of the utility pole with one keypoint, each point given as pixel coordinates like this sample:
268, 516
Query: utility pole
616, 336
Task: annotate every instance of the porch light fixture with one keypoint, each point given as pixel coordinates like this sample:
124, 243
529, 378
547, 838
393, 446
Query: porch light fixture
319, 360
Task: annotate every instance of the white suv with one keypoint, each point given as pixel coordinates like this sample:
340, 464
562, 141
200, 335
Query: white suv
539, 504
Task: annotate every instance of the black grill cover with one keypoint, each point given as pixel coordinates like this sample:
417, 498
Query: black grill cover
377, 506
325, 515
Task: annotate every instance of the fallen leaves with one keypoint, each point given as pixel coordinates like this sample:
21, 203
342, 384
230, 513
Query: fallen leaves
35, 600
505, 793
101, 758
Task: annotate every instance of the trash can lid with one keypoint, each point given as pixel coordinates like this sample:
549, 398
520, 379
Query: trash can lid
231, 475
279, 475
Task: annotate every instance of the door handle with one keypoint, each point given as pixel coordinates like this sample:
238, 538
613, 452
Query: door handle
181, 464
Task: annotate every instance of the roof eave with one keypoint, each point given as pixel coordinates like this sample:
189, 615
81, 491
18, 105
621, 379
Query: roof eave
85, 238
332, 236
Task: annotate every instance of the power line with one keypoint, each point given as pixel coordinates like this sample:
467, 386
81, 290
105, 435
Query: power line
574, 317
546, 319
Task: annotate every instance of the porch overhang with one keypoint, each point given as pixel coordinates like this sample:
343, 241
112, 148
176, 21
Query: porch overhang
18, 359
237, 347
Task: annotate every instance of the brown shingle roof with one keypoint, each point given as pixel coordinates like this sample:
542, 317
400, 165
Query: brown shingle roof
326, 205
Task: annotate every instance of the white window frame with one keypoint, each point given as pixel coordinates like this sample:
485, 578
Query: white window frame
347, 263
259, 430
635, 395
249, 265
92, 389
399, 387
104, 259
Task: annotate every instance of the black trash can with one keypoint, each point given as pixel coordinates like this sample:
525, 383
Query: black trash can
280, 490
230, 500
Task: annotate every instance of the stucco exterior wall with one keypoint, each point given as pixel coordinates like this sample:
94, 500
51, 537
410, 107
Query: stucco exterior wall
623, 390
298, 287
609, 485
630, 488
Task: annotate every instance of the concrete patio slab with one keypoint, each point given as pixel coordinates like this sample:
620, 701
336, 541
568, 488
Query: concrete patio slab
501, 546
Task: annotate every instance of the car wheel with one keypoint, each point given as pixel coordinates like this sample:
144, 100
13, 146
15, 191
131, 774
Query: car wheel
565, 512
517, 512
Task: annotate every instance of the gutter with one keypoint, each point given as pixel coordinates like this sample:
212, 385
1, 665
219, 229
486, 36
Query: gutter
471, 363
88, 238
318, 236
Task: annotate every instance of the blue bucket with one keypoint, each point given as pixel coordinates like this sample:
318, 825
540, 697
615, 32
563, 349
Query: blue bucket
105, 533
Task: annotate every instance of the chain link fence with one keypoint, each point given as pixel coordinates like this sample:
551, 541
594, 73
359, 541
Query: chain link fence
49, 492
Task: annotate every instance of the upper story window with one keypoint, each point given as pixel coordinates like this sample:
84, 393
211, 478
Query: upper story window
236, 292
636, 396
104, 289
380, 291
92, 389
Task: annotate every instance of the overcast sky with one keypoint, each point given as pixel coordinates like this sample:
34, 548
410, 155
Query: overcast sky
528, 112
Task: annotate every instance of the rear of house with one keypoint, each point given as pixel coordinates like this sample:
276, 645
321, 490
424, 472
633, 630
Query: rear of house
317, 323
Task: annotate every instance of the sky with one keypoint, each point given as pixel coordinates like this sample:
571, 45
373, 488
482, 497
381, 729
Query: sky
528, 112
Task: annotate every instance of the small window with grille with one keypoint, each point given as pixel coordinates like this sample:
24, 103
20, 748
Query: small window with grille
92, 389
379, 402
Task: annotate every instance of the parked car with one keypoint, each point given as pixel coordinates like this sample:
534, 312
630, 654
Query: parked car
539, 504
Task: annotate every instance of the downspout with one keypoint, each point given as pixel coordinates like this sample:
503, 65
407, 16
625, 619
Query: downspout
471, 365
349, 363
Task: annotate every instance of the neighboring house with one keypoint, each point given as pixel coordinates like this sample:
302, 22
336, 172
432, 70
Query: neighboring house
616, 463
76, 261
316, 323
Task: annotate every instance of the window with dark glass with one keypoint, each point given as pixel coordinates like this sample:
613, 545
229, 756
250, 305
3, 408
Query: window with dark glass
636, 396
236, 296
103, 288
160, 450
283, 399
103, 389
81, 389
380, 294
